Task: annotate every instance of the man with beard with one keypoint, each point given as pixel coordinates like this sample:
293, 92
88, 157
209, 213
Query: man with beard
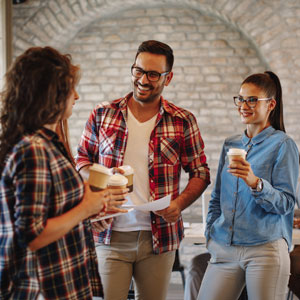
156, 138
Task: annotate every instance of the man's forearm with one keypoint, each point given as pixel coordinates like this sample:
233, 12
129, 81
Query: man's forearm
191, 193
84, 172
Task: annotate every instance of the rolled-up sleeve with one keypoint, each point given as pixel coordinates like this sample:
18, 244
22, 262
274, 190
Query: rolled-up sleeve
88, 147
193, 157
33, 192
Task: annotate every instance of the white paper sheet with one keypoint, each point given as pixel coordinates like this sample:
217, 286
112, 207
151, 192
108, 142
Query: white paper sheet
111, 215
151, 206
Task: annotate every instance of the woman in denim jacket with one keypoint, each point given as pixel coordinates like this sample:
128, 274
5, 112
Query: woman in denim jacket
250, 217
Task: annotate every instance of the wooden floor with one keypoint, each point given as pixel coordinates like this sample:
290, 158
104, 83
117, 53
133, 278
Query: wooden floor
175, 292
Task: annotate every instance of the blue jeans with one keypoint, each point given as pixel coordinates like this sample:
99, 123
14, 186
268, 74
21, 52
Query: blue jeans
265, 270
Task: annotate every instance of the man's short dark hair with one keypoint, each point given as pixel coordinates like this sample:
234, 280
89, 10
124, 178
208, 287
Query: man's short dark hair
157, 47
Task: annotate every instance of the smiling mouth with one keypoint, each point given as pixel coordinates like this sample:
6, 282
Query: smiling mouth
246, 114
144, 88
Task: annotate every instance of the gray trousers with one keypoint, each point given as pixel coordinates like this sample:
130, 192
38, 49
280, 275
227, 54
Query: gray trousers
264, 268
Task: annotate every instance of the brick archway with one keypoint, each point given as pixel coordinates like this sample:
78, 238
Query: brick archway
266, 27
269, 26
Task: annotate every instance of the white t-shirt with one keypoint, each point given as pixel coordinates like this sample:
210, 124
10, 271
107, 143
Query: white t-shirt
136, 155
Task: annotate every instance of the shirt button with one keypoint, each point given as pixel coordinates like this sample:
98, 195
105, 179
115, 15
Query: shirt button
153, 222
230, 228
233, 210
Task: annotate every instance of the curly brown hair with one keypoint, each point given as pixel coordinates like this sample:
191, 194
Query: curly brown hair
35, 94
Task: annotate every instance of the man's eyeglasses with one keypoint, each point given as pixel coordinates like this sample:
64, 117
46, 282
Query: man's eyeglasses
151, 75
250, 101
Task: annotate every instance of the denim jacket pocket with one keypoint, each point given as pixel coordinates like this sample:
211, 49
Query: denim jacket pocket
261, 171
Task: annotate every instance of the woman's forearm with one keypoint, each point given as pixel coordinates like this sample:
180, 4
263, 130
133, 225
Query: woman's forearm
57, 227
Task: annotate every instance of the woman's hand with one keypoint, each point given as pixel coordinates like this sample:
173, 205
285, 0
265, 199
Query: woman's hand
117, 199
94, 202
242, 169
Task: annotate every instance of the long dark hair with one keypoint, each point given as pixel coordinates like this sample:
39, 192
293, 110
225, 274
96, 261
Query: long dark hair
156, 47
270, 84
36, 90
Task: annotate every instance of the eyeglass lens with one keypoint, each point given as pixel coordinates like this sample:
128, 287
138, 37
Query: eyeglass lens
151, 75
251, 101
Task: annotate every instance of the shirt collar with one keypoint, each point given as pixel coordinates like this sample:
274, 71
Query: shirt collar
258, 138
164, 107
48, 134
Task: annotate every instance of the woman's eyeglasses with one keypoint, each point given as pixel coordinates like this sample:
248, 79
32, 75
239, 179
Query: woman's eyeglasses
250, 101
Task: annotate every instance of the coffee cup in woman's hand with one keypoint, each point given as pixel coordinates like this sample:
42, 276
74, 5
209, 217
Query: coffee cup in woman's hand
236, 152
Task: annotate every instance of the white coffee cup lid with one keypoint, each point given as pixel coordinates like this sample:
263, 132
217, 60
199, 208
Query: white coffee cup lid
127, 169
117, 179
236, 151
100, 168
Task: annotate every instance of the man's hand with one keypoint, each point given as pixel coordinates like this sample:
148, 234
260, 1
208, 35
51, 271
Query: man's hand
192, 191
171, 213
102, 225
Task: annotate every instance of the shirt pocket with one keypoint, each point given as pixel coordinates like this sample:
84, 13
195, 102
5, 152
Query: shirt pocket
107, 141
262, 170
169, 151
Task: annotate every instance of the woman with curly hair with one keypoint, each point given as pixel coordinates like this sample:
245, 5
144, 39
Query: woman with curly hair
46, 245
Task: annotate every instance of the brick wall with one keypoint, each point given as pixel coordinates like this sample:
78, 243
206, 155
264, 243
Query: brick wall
216, 44
1, 46
1, 58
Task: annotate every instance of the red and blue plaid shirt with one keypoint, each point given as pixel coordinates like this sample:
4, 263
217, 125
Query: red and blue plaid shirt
175, 142
39, 182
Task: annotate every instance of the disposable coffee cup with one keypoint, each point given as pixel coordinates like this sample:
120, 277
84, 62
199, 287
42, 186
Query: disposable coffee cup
117, 181
98, 178
236, 152
128, 173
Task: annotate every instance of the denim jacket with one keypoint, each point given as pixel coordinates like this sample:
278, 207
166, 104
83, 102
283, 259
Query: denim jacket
237, 215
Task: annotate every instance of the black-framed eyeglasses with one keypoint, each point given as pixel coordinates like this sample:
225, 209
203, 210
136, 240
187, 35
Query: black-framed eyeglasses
250, 101
151, 75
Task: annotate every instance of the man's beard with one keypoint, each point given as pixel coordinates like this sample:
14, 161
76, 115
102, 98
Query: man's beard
148, 99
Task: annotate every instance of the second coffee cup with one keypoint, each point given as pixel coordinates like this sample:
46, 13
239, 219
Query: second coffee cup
128, 173
117, 181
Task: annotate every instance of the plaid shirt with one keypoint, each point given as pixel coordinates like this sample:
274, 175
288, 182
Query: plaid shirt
175, 142
37, 183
